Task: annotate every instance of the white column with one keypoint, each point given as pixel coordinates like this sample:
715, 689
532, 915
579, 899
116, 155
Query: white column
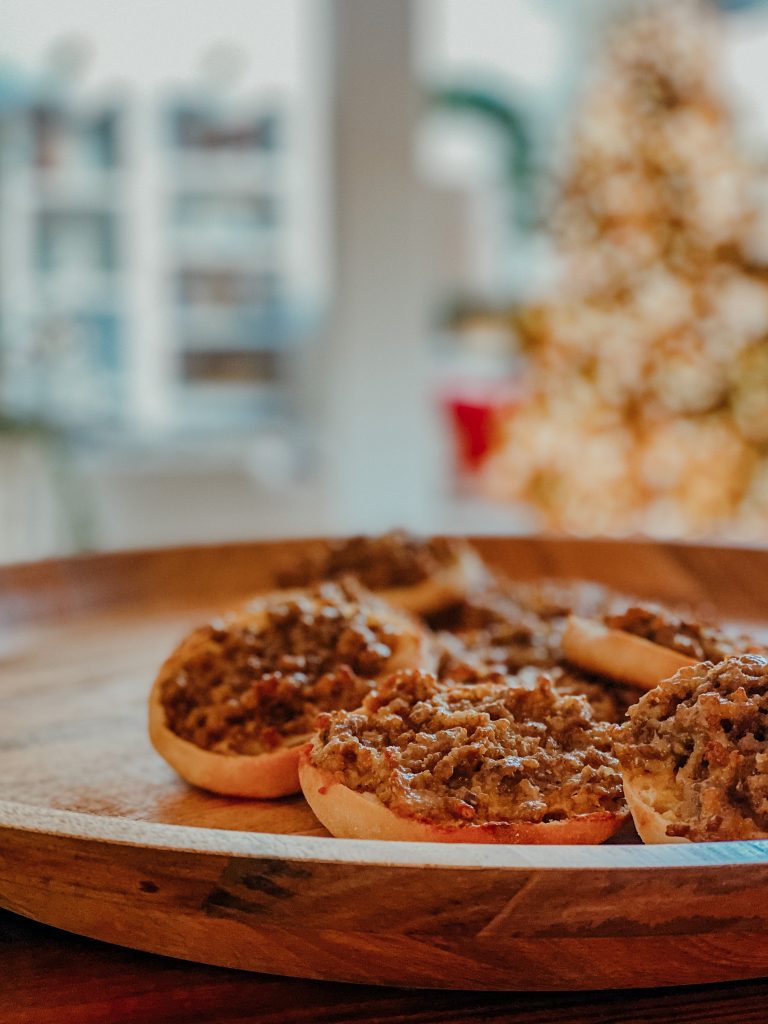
19, 299
375, 377
145, 251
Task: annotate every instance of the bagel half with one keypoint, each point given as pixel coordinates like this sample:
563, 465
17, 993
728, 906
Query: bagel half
617, 654
350, 814
272, 772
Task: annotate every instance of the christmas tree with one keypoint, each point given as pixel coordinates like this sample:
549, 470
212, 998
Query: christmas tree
647, 398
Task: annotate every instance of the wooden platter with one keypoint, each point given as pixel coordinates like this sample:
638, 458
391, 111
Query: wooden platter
99, 837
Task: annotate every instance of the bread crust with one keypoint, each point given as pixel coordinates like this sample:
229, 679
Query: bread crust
444, 588
619, 655
349, 814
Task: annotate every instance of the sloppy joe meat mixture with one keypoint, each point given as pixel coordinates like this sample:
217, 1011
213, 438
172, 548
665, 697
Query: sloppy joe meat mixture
246, 685
501, 600
697, 641
523, 623
509, 645
396, 559
609, 701
483, 753
704, 732
509, 627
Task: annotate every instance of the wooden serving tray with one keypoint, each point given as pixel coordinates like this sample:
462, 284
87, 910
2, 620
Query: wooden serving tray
99, 837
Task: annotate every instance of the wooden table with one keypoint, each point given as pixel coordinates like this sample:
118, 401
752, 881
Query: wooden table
51, 977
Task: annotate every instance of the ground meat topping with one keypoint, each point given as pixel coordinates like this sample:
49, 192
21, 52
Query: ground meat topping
396, 559
557, 599
483, 753
505, 646
463, 661
609, 700
700, 642
248, 684
514, 623
503, 601
515, 628
511, 625
704, 735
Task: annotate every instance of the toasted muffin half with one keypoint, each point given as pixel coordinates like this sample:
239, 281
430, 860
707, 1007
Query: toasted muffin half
487, 763
645, 644
233, 704
694, 754
616, 654
423, 575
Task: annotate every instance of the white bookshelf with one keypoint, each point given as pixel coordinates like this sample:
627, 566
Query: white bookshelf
146, 278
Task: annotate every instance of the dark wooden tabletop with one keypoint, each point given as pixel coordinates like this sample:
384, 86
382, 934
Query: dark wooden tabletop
50, 977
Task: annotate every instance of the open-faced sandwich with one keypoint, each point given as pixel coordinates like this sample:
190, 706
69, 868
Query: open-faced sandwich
232, 705
420, 574
644, 645
694, 754
487, 763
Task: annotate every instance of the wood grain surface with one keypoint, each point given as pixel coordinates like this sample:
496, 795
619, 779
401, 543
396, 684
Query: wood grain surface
51, 977
98, 835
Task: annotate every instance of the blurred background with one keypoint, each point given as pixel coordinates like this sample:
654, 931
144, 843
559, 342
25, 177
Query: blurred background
284, 267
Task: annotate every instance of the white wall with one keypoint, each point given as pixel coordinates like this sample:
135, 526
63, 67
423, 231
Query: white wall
148, 43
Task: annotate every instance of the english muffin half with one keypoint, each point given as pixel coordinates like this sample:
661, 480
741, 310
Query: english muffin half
423, 575
487, 763
233, 704
644, 645
694, 754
